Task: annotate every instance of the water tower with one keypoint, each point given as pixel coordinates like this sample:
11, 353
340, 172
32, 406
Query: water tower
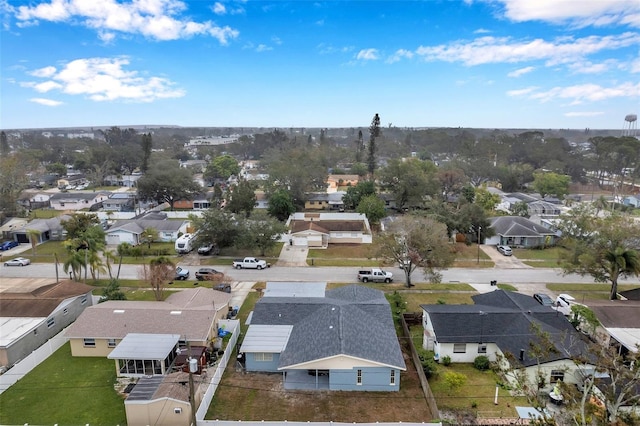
630, 127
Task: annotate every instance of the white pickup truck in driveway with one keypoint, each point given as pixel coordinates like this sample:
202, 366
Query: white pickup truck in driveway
250, 263
376, 275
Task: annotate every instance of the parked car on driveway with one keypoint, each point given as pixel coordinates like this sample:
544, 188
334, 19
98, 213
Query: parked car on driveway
208, 274
208, 249
505, 250
182, 273
7, 245
543, 299
18, 261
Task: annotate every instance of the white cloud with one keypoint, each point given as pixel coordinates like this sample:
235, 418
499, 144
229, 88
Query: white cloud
521, 71
276, 40
583, 114
581, 93
487, 50
367, 54
106, 79
521, 92
400, 54
263, 48
45, 102
588, 67
155, 19
43, 72
586, 13
219, 8
635, 66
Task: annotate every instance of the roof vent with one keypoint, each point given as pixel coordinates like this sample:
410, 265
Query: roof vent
521, 354
176, 312
118, 311
330, 327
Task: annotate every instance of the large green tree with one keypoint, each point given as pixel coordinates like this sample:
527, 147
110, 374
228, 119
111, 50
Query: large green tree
222, 167
550, 183
147, 145
217, 227
262, 232
354, 194
416, 242
13, 180
167, 182
373, 207
374, 133
410, 181
604, 248
281, 204
242, 198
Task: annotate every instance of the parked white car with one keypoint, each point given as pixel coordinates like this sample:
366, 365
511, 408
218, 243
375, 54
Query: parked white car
18, 261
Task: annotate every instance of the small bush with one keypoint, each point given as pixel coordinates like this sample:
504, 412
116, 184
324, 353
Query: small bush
481, 363
474, 404
446, 360
430, 367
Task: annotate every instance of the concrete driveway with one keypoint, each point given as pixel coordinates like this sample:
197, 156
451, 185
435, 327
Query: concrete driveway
501, 261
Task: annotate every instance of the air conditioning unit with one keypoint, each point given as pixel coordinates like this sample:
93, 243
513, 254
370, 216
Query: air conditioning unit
177, 410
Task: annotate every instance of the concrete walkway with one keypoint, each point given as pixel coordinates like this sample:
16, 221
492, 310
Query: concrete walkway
501, 261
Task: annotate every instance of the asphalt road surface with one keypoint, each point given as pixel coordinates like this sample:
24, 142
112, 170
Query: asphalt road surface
529, 276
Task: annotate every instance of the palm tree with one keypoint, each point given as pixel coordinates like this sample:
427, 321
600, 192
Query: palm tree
33, 234
74, 264
621, 261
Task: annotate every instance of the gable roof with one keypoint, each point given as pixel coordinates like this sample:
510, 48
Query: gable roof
516, 226
633, 294
326, 226
137, 226
42, 301
189, 313
73, 196
507, 319
352, 321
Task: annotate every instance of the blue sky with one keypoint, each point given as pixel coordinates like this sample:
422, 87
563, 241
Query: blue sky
476, 63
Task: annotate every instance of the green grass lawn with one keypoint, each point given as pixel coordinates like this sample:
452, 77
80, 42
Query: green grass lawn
67, 391
476, 395
540, 258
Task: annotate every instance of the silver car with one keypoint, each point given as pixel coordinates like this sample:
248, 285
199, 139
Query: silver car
18, 261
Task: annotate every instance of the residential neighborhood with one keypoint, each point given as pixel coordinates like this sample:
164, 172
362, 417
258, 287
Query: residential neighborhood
170, 341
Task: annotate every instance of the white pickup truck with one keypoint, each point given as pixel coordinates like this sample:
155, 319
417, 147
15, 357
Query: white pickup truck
374, 275
250, 263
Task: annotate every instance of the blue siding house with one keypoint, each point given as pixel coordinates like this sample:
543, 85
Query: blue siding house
339, 339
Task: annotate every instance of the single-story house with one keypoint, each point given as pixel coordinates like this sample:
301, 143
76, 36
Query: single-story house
337, 183
118, 204
619, 322
499, 326
34, 310
324, 201
131, 230
49, 229
518, 231
202, 201
78, 200
338, 339
322, 229
33, 201
8, 227
122, 180
543, 208
71, 180
192, 315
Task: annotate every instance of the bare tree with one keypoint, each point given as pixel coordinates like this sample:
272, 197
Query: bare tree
159, 272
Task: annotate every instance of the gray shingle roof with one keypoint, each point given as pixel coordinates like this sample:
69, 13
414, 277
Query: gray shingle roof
350, 321
506, 319
516, 226
137, 226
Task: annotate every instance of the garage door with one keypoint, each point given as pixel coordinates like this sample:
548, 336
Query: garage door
113, 239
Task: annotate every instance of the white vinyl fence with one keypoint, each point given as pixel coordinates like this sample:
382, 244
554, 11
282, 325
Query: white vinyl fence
234, 327
20, 369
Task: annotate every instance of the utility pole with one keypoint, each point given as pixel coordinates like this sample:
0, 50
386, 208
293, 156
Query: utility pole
479, 230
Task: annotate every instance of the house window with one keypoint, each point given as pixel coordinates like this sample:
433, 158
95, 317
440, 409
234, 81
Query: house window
459, 348
482, 348
89, 343
83, 300
263, 357
51, 322
111, 343
392, 379
65, 311
556, 376
35, 331
359, 377
61, 204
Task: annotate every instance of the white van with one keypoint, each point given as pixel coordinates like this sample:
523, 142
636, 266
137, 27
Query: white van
184, 244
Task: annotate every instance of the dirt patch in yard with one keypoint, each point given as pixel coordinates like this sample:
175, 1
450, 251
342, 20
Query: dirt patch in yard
261, 396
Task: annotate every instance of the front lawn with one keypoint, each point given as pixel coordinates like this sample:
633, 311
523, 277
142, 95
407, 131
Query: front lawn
65, 390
